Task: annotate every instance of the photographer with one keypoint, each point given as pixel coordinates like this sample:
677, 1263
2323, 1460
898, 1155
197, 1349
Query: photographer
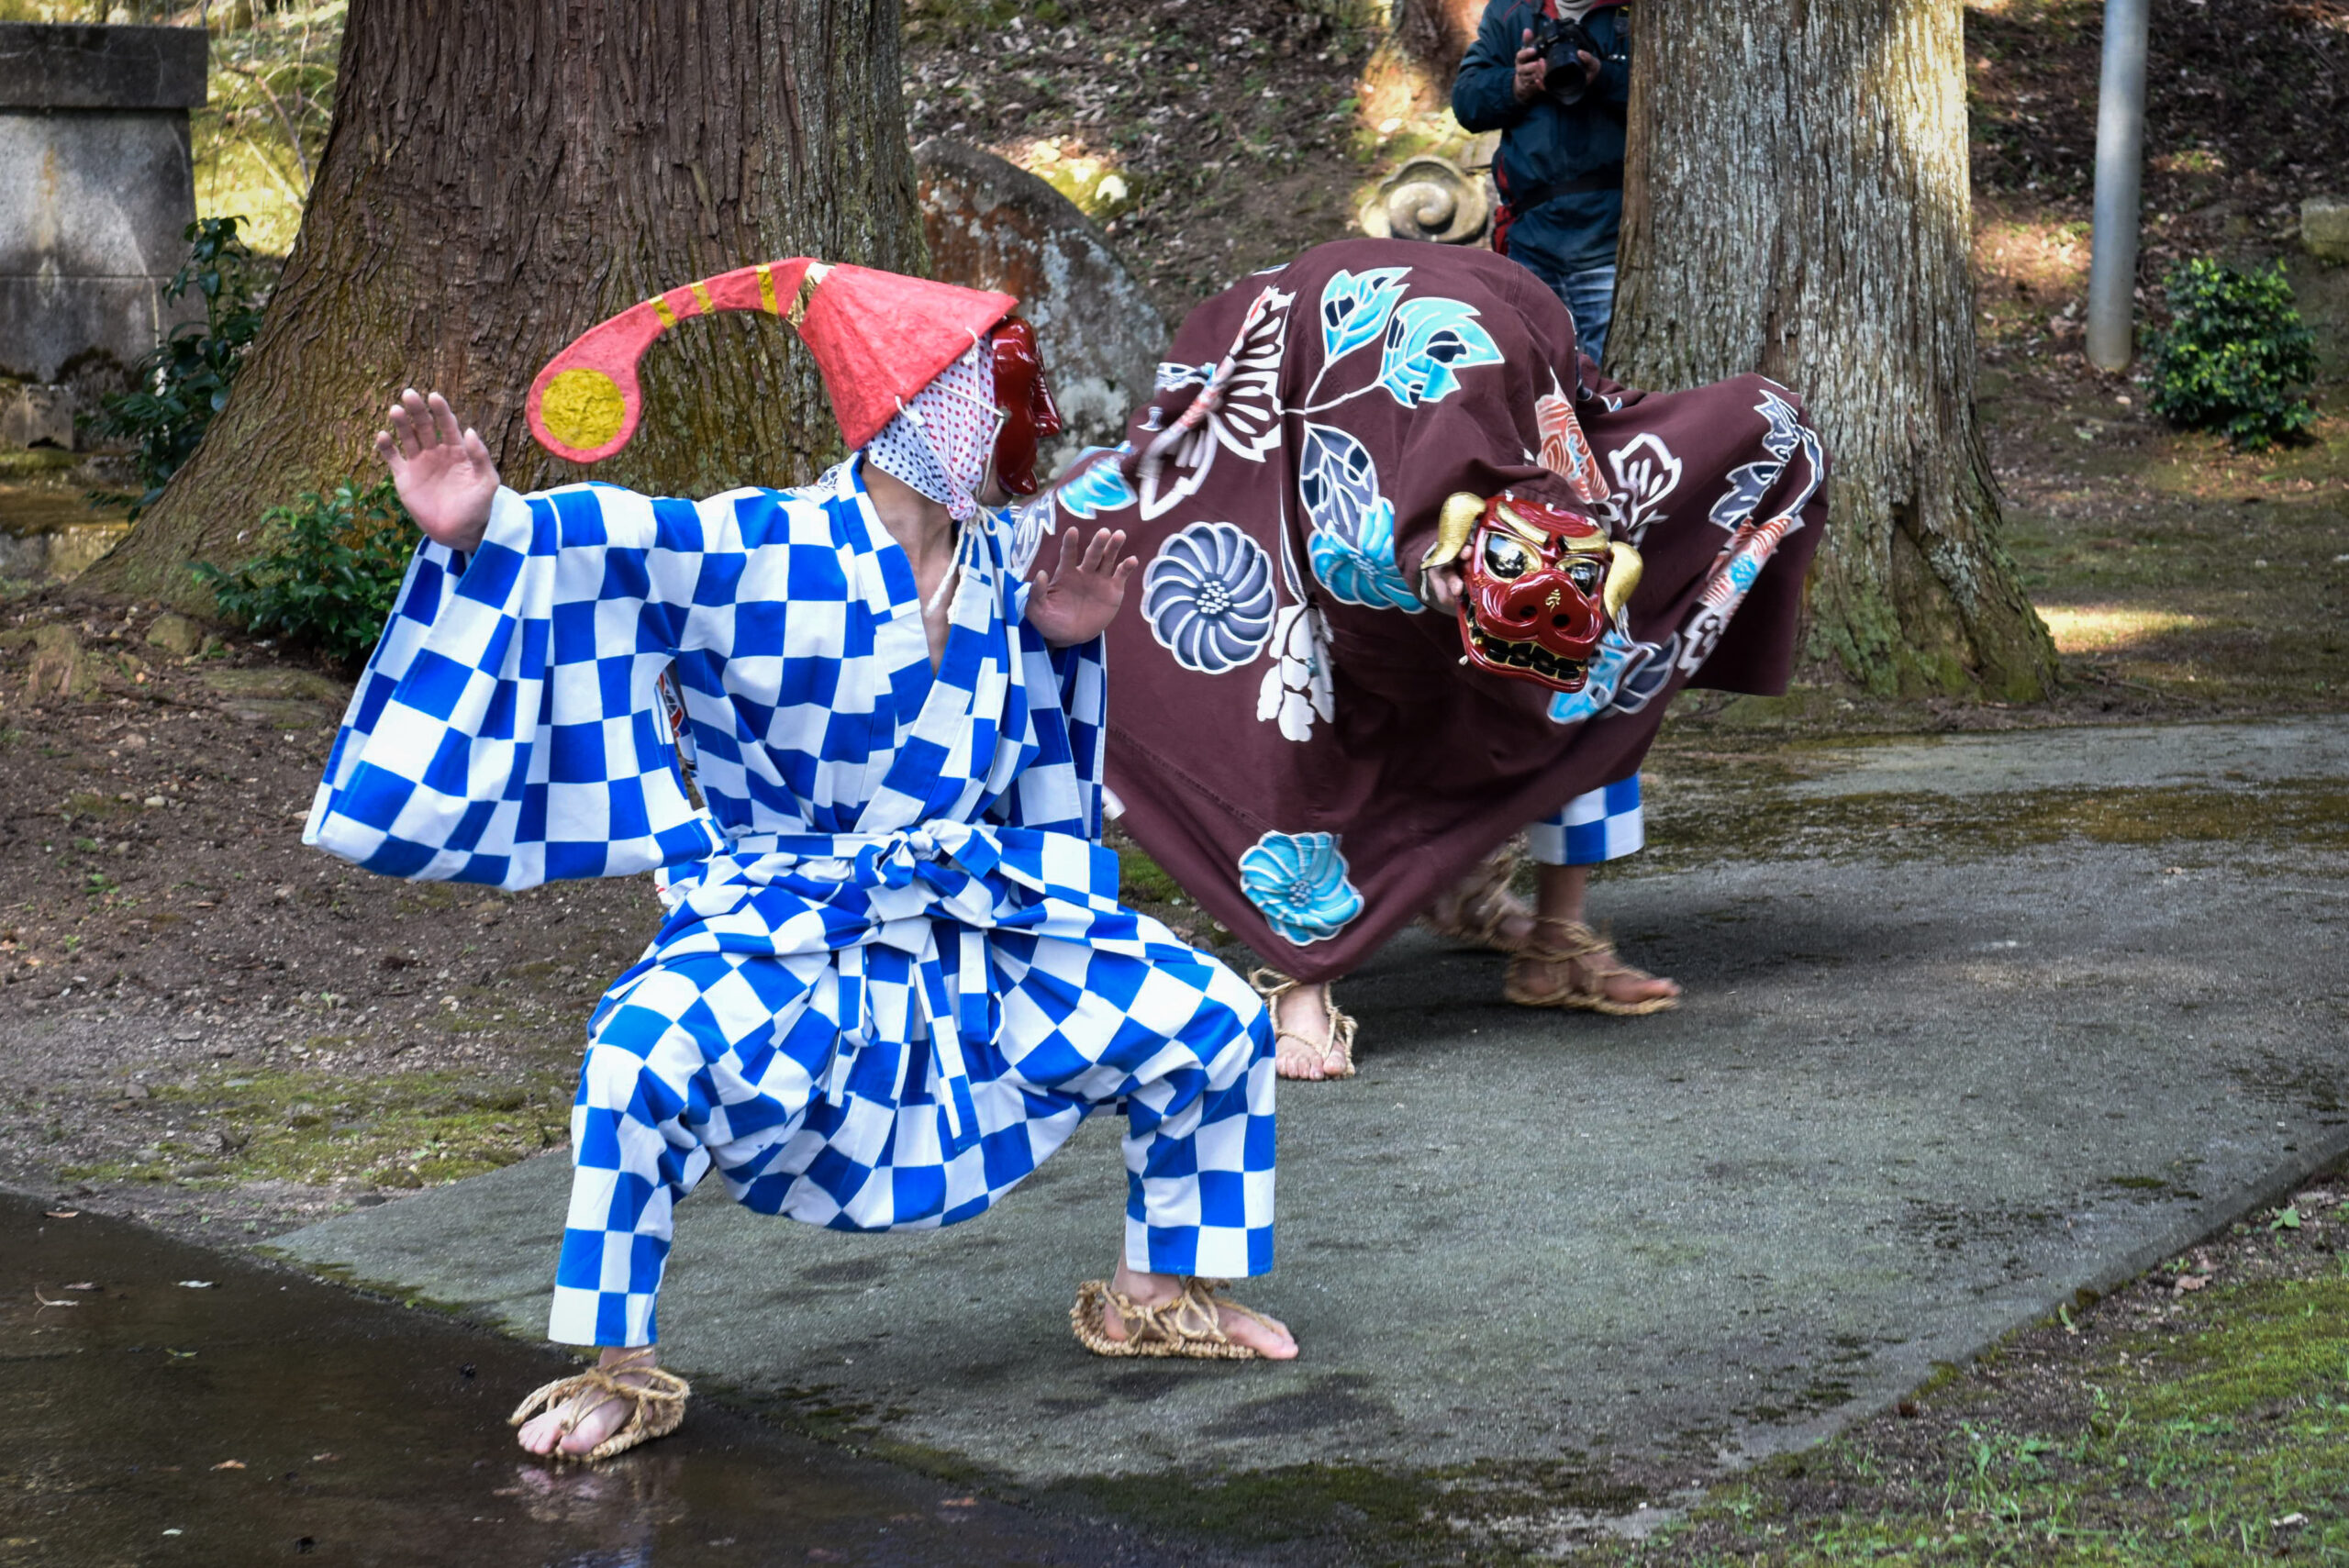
1552, 77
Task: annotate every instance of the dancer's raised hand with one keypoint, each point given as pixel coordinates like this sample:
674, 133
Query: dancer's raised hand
445, 477
1076, 600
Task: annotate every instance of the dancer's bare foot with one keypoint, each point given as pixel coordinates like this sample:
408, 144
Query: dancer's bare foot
1624, 984
598, 1415
1563, 892
1305, 1028
1269, 1338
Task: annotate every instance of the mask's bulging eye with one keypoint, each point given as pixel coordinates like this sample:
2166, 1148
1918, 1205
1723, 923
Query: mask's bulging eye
1585, 575
1504, 557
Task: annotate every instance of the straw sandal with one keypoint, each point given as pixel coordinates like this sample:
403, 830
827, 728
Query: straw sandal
1187, 1326
1271, 985
1475, 909
655, 1410
1593, 959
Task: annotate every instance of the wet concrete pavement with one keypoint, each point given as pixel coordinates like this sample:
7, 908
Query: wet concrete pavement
266, 1416
1911, 1102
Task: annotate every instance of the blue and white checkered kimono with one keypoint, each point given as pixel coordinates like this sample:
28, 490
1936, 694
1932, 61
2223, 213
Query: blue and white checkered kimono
894, 975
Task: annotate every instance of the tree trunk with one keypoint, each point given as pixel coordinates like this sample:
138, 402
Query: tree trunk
1436, 34
500, 177
1798, 204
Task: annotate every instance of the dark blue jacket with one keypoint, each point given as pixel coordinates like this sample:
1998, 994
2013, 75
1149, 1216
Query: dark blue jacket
1550, 143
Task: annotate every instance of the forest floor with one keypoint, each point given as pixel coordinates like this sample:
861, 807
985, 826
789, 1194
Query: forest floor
213, 1030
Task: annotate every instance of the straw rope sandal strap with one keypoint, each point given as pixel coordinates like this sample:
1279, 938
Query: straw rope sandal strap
1271, 985
1187, 1326
1581, 965
1479, 908
656, 1407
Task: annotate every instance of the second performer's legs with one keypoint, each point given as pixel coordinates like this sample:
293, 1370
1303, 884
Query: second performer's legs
1562, 958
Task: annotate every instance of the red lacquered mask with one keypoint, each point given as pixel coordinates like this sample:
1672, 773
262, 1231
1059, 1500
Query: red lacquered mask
1026, 399
1541, 585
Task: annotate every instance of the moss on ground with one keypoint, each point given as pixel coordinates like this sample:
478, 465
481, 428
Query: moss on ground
2177, 1426
1689, 825
312, 1125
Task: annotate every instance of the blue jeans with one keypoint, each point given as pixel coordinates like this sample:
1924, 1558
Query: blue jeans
1590, 296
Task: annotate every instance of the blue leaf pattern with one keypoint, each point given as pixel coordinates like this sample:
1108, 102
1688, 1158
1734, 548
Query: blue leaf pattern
1352, 541
1297, 882
1428, 343
1355, 308
1100, 488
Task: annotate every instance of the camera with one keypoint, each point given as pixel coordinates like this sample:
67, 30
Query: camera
1558, 40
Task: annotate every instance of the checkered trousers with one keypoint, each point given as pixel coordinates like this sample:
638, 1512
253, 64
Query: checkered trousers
1603, 825
759, 1066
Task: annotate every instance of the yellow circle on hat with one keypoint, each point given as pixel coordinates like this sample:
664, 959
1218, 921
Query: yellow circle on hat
582, 408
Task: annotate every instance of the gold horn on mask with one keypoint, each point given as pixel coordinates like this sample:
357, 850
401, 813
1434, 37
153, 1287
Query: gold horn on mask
1454, 526
1621, 579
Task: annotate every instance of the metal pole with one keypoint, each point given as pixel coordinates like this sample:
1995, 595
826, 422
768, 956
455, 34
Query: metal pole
2120, 148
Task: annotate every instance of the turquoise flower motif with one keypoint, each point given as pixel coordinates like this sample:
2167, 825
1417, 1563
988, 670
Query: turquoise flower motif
1100, 488
1352, 541
1428, 343
1297, 882
1355, 308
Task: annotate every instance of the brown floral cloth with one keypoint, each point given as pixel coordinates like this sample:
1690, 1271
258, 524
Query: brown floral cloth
1293, 734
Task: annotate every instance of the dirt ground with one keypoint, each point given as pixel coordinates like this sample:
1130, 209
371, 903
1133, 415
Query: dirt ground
208, 1026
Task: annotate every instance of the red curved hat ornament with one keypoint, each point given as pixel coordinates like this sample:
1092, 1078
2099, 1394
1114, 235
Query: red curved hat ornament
586, 403
878, 338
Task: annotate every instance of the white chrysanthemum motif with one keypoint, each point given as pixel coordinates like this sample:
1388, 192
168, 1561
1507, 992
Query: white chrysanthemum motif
1646, 474
1207, 594
1298, 689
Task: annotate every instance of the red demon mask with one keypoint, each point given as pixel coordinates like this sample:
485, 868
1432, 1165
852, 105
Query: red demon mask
1026, 398
1540, 587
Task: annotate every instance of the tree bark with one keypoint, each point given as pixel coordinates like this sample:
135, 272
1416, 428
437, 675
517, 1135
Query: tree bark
1436, 34
1799, 203
500, 177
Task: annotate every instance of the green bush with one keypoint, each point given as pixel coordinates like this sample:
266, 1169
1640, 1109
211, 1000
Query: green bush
179, 385
330, 575
2236, 357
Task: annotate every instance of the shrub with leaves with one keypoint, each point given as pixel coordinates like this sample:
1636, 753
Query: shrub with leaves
2236, 357
329, 572
184, 381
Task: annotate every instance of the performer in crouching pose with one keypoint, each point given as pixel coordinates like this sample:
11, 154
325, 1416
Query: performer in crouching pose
1419, 577
894, 975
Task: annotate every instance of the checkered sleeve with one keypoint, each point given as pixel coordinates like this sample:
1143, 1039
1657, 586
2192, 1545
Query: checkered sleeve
509, 728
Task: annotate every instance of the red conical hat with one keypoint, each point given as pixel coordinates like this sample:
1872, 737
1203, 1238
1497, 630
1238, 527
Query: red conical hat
878, 338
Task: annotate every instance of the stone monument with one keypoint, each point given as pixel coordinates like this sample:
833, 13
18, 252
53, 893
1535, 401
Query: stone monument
96, 191
992, 225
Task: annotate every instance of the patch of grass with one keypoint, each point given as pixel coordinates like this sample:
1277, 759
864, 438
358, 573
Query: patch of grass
1142, 880
311, 1126
2227, 1443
